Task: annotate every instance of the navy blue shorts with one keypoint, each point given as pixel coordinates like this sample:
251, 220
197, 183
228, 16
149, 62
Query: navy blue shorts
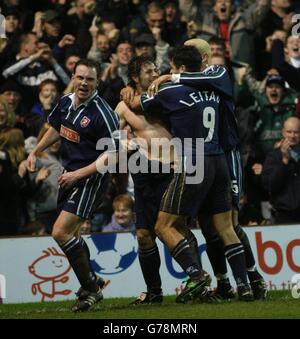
235, 167
148, 191
84, 197
211, 196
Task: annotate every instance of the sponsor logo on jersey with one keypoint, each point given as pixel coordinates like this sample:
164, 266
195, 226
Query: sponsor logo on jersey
69, 134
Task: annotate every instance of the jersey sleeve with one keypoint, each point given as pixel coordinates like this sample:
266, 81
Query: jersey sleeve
146, 101
54, 118
150, 105
213, 78
108, 123
228, 128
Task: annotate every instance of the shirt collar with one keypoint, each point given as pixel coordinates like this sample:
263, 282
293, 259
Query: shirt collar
295, 62
85, 103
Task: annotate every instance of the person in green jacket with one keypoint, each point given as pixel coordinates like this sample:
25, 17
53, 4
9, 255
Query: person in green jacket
273, 106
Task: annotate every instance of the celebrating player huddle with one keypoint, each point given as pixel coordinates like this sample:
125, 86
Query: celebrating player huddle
194, 106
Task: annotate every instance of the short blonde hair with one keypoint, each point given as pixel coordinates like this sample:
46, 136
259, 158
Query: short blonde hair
202, 47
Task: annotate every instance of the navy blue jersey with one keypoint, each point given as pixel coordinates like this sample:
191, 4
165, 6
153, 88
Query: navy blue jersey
192, 114
81, 128
216, 78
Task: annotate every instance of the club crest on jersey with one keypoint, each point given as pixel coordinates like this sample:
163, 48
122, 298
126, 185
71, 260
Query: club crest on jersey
84, 121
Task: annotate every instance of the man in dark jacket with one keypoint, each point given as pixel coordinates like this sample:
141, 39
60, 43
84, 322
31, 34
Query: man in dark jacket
234, 26
281, 174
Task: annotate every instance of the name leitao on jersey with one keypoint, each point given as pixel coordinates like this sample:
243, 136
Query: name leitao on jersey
201, 96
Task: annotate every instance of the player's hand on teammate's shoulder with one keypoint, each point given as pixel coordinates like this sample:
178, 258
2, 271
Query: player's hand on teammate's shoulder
154, 87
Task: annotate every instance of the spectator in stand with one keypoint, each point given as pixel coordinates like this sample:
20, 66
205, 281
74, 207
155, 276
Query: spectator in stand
32, 65
42, 198
117, 185
152, 23
119, 63
109, 29
23, 8
100, 50
115, 77
78, 21
279, 17
48, 96
286, 59
70, 62
281, 174
264, 52
7, 115
85, 228
261, 126
123, 217
25, 121
117, 10
12, 153
145, 44
225, 21
8, 46
274, 107
48, 27
12, 23
175, 28
217, 46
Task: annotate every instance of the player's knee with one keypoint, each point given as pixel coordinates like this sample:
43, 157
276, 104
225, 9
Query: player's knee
210, 237
161, 229
59, 236
228, 236
145, 240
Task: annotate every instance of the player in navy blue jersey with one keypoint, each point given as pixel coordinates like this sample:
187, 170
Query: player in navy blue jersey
229, 140
149, 187
79, 120
195, 114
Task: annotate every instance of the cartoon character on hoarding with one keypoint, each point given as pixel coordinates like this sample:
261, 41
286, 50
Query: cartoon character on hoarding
52, 268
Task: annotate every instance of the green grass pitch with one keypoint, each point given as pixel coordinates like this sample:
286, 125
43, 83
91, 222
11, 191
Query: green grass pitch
279, 305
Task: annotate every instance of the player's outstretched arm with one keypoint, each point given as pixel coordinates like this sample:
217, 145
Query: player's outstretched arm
128, 117
153, 88
50, 137
103, 164
213, 78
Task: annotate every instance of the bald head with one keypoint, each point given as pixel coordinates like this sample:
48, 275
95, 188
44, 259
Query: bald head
291, 130
203, 48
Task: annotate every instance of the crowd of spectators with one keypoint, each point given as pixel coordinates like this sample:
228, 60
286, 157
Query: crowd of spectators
44, 39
